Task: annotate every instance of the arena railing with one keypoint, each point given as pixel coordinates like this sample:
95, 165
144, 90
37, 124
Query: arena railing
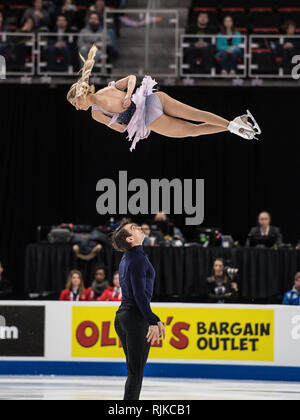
269, 59
48, 59
18, 51
149, 48
190, 55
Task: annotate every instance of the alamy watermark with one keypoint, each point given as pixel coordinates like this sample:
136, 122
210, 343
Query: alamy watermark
296, 69
2, 68
188, 197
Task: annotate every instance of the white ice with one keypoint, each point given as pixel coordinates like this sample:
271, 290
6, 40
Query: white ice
111, 388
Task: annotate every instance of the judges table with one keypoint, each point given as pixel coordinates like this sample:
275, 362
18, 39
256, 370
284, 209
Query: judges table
180, 272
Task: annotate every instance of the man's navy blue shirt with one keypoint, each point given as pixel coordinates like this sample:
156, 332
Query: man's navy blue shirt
137, 276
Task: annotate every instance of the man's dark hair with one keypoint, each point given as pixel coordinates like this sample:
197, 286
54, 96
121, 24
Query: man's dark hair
119, 237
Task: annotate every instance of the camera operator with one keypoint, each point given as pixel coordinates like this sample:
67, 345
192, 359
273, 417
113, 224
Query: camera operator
172, 234
221, 286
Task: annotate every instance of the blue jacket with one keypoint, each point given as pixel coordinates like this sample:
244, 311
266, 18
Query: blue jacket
137, 281
222, 43
292, 298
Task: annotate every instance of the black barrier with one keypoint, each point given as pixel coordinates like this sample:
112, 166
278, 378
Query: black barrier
22, 330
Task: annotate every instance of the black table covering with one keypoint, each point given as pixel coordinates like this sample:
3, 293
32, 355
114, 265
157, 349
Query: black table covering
181, 272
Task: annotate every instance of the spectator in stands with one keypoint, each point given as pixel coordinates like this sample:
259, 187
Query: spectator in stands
59, 53
228, 43
28, 26
200, 56
220, 287
264, 232
293, 296
3, 26
291, 46
39, 15
112, 293
70, 11
97, 7
74, 290
157, 235
93, 34
5, 285
4, 45
166, 226
99, 284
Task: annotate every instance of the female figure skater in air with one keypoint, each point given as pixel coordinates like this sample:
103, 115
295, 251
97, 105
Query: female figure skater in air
146, 111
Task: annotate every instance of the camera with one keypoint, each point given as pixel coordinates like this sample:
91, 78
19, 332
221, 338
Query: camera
231, 272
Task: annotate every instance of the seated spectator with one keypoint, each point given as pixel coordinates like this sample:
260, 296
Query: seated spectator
97, 7
220, 287
291, 46
74, 290
293, 296
59, 53
167, 228
99, 284
3, 26
91, 34
112, 293
264, 234
5, 285
70, 11
39, 15
157, 237
228, 43
200, 56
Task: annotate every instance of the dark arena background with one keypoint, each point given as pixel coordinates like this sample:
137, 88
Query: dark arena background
52, 157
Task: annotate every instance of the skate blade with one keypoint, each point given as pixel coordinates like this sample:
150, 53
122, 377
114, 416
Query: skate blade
256, 127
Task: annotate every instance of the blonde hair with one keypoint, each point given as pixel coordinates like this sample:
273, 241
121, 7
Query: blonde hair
82, 87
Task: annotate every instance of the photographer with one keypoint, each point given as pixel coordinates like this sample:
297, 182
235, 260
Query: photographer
220, 287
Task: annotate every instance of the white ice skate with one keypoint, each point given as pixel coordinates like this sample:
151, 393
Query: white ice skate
245, 128
241, 129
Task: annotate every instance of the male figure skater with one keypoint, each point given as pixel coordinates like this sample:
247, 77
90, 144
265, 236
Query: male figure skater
135, 323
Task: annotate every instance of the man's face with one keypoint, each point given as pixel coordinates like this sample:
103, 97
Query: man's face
203, 19
264, 220
1, 269
146, 229
61, 22
137, 236
94, 20
100, 275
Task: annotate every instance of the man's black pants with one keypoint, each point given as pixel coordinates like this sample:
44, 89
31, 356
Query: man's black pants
132, 330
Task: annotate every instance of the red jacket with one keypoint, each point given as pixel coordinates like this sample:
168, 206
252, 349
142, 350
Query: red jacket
109, 295
66, 295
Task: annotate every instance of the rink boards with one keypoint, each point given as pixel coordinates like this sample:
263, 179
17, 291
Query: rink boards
202, 341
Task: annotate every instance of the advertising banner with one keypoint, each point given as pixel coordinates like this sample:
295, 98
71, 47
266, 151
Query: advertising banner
191, 333
22, 331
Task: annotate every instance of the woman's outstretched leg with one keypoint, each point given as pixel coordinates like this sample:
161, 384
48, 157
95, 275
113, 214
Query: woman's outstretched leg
178, 109
173, 127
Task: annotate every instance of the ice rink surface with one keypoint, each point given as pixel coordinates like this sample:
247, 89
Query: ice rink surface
111, 388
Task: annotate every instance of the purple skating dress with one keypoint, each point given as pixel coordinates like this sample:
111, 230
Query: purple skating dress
144, 109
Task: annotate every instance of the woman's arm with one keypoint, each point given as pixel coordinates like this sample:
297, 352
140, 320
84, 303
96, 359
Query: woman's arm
128, 83
104, 119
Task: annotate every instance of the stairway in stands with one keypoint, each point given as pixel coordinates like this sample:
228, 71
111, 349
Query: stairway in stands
162, 41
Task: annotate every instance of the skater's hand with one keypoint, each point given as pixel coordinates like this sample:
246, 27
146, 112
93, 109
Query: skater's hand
162, 329
153, 334
126, 102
